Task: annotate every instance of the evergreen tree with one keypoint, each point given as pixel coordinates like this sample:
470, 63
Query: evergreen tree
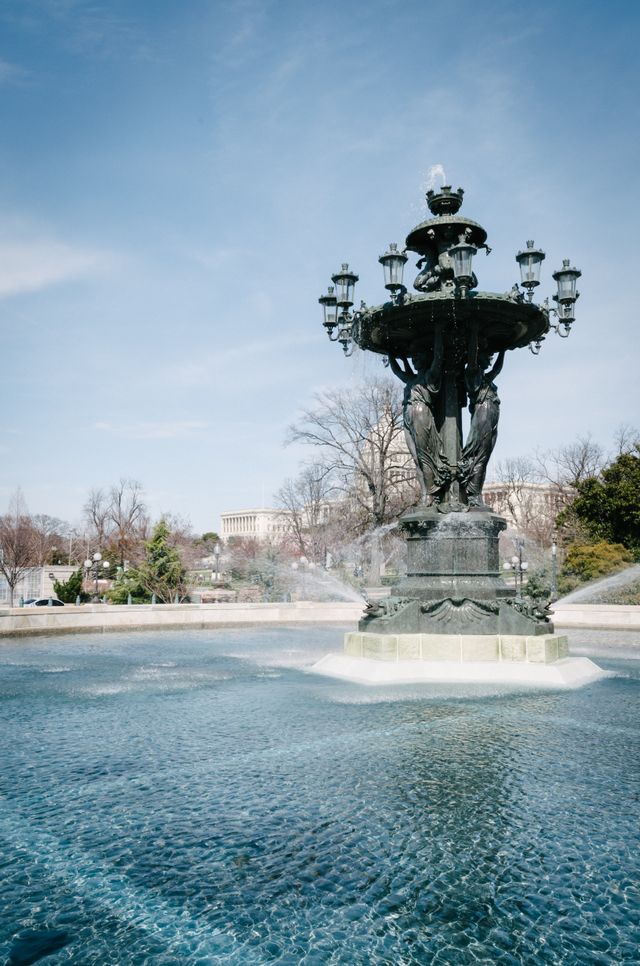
162, 572
69, 590
608, 505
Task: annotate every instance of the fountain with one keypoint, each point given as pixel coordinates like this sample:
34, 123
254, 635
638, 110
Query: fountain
447, 344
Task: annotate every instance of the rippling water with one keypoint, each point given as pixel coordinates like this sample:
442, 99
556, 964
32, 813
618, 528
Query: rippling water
195, 797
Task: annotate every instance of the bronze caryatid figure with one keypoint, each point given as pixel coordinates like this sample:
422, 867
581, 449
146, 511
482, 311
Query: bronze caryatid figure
484, 406
424, 442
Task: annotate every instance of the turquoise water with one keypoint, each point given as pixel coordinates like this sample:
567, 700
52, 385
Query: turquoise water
195, 797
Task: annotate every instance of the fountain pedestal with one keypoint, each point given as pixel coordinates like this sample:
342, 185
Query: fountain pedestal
453, 585
453, 617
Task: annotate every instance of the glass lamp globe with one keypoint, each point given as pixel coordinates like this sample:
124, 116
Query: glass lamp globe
530, 261
328, 303
462, 257
393, 263
567, 277
345, 281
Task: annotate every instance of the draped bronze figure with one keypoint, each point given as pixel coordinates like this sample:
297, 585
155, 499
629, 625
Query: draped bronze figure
484, 406
424, 442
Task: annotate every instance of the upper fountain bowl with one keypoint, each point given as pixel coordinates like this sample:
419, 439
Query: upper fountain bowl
445, 201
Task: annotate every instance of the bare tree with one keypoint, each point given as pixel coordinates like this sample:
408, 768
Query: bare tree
306, 506
515, 474
565, 469
97, 514
17, 544
359, 433
50, 535
127, 515
626, 439
117, 519
530, 507
570, 465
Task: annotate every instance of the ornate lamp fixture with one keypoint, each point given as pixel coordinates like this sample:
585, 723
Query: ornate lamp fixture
566, 297
461, 256
393, 263
329, 303
530, 261
345, 282
447, 245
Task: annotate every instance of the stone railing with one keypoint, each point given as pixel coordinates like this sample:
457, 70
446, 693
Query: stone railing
604, 616
21, 621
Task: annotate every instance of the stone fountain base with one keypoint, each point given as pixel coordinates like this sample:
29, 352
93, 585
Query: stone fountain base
525, 660
452, 618
460, 648
454, 583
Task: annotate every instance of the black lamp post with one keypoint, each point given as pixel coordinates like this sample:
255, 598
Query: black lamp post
554, 569
94, 568
519, 567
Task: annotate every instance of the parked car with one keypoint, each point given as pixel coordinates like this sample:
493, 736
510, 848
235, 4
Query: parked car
44, 602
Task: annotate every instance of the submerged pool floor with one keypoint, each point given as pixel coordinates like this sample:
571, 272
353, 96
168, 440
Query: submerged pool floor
196, 797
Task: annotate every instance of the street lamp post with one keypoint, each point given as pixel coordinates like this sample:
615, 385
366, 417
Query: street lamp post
216, 555
519, 567
554, 569
94, 567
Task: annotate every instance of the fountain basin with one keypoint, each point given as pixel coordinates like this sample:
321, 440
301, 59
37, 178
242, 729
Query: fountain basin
194, 797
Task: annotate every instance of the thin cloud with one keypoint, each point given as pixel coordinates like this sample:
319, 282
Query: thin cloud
169, 429
27, 266
11, 73
215, 258
227, 363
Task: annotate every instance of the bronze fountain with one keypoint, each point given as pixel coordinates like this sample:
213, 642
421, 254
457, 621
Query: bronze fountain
447, 344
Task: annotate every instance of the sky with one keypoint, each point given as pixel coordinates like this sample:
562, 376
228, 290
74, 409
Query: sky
178, 181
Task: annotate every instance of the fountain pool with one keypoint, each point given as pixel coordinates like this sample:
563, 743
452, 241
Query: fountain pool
196, 797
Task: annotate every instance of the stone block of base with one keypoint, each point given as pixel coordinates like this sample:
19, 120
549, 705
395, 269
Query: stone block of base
353, 645
480, 647
381, 647
547, 649
440, 647
513, 647
409, 647
465, 648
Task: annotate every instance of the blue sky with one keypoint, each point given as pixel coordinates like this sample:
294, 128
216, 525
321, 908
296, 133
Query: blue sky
178, 180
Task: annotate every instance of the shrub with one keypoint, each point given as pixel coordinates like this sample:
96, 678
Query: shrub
588, 561
69, 590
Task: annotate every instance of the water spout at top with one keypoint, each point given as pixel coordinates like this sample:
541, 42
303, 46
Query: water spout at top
434, 175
